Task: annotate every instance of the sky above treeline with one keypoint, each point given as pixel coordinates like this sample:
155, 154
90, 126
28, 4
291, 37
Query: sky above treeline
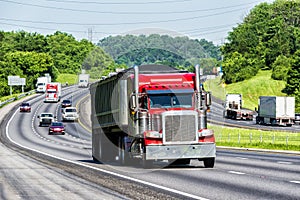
94, 20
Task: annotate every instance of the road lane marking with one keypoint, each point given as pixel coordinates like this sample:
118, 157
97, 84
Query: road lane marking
235, 172
298, 182
79, 121
286, 163
242, 158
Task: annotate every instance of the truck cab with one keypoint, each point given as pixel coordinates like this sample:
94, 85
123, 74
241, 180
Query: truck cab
53, 92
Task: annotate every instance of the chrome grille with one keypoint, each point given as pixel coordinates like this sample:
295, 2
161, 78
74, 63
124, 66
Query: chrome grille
180, 127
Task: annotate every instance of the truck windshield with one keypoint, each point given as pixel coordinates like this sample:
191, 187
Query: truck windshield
46, 115
71, 110
51, 91
171, 101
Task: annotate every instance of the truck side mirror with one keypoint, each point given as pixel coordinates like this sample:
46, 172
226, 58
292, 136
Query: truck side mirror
132, 102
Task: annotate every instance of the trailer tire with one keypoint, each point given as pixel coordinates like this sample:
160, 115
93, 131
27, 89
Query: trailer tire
209, 162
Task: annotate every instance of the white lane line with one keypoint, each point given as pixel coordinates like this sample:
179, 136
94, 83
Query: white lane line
242, 158
286, 163
103, 170
298, 182
235, 172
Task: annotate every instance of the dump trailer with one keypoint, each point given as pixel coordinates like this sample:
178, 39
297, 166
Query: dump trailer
234, 110
275, 110
151, 113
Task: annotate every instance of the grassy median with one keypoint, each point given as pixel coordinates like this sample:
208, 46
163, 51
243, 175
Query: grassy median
248, 138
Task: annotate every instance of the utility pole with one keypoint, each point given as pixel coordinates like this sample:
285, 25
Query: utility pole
90, 34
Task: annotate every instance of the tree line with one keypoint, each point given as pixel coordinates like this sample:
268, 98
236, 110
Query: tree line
31, 55
181, 52
267, 39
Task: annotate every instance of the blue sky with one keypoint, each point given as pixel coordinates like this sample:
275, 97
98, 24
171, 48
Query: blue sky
95, 19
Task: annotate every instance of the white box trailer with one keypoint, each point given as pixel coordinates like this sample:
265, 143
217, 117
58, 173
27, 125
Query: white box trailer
276, 110
83, 80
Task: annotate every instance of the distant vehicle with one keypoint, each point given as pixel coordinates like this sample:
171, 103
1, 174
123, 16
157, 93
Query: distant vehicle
46, 119
69, 114
41, 84
66, 103
234, 110
53, 92
25, 107
297, 118
83, 80
56, 128
275, 110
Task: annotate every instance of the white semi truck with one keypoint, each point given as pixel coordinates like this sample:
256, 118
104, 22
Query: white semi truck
83, 80
275, 110
234, 110
41, 83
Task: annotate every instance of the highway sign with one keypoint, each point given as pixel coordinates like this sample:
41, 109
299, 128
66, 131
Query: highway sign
16, 80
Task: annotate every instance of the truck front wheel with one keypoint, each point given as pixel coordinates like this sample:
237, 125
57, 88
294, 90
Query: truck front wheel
209, 162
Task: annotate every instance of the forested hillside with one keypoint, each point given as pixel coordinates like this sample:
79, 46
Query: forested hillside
268, 39
30, 55
175, 51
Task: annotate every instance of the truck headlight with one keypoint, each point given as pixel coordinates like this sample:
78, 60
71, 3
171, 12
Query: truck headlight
205, 132
153, 134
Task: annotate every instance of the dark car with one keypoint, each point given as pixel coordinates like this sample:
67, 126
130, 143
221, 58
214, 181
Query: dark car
297, 118
25, 107
66, 103
56, 128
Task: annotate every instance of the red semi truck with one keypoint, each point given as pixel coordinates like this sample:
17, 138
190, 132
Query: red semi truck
53, 92
151, 113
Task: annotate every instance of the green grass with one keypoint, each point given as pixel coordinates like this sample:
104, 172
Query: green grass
8, 97
246, 138
70, 78
260, 85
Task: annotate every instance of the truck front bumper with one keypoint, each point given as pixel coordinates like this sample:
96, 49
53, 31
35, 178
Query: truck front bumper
51, 100
191, 151
70, 118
